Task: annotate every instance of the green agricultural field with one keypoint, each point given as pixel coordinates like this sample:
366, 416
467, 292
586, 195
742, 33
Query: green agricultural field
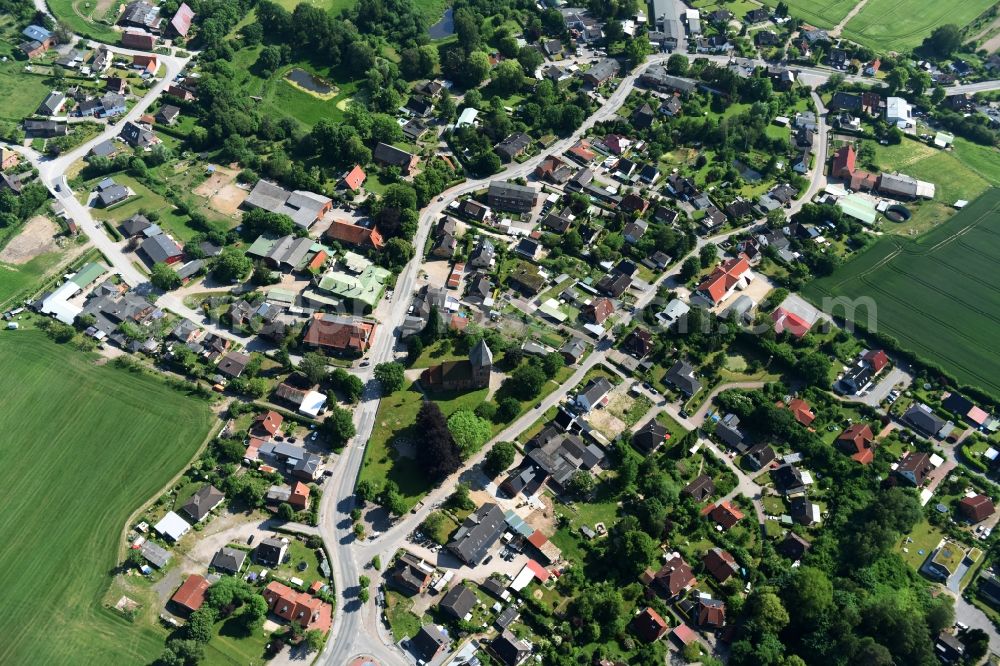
899, 25
820, 13
930, 293
83, 447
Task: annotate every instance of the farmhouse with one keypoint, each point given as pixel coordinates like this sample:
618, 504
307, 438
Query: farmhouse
386, 155
305, 208
340, 334
355, 235
303, 609
673, 578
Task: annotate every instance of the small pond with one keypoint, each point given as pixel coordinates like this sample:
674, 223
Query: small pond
443, 28
308, 81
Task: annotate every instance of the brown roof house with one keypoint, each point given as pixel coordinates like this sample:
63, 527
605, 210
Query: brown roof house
464, 375
914, 467
649, 625
674, 577
857, 442
720, 564
976, 508
700, 489
191, 594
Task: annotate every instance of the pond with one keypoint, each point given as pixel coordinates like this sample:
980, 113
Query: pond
308, 81
443, 28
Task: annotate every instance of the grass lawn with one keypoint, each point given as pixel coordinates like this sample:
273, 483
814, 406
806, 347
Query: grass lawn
403, 622
21, 91
439, 352
82, 16
675, 429
335, 6
911, 21
16, 278
230, 646
919, 544
98, 442
145, 199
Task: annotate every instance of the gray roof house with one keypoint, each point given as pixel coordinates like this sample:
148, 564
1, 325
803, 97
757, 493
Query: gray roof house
681, 375
921, 417
511, 196
160, 248
137, 136
593, 393
203, 502
229, 560
601, 72
477, 534
154, 554
460, 600
52, 104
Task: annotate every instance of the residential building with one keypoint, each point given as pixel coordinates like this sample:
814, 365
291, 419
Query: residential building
513, 146
899, 112
340, 334
793, 546
511, 197
700, 489
673, 578
760, 456
355, 235
190, 596
52, 104
730, 275
386, 155
459, 602
976, 508
138, 136
649, 625
353, 179
720, 564
138, 39
914, 467
477, 534
271, 552
303, 609
801, 411
858, 441
171, 527
593, 393
203, 502
710, 613
229, 560
410, 574
141, 14
725, 514
601, 72
161, 248
682, 376
508, 649
923, 419
429, 643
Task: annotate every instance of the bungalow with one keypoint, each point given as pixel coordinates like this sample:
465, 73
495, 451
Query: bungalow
638, 343
804, 512
190, 596
203, 502
172, 527
52, 104
8, 158
386, 155
229, 560
924, 420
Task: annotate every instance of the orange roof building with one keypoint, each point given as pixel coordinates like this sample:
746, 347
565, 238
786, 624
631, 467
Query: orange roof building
802, 411
877, 359
649, 625
581, 150
356, 235
843, 162
729, 275
599, 310
148, 63
857, 441
305, 610
299, 499
354, 179
191, 594
269, 422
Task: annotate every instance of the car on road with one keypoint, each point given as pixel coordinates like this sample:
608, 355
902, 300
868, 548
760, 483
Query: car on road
250, 539
365, 363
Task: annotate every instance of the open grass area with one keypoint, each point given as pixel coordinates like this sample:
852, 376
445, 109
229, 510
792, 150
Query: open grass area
84, 18
335, 6
16, 278
403, 622
930, 294
145, 199
20, 91
230, 646
899, 25
962, 173
83, 447
820, 13
919, 544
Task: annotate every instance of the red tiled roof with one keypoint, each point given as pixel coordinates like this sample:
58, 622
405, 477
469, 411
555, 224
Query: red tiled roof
724, 277
858, 438
356, 178
977, 508
684, 634
300, 495
191, 593
862, 180
537, 539
582, 150
843, 162
340, 334
318, 260
789, 321
309, 612
600, 310
353, 234
649, 625
977, 415
270, 421
802, 411
719, 563
877, 359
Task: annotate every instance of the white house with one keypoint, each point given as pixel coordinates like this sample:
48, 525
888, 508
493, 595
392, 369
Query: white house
899, 112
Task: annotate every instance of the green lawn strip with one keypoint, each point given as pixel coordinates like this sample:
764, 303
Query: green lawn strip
119, 437
230, 645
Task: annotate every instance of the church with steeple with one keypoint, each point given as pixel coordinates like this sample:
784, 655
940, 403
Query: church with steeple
464, 375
